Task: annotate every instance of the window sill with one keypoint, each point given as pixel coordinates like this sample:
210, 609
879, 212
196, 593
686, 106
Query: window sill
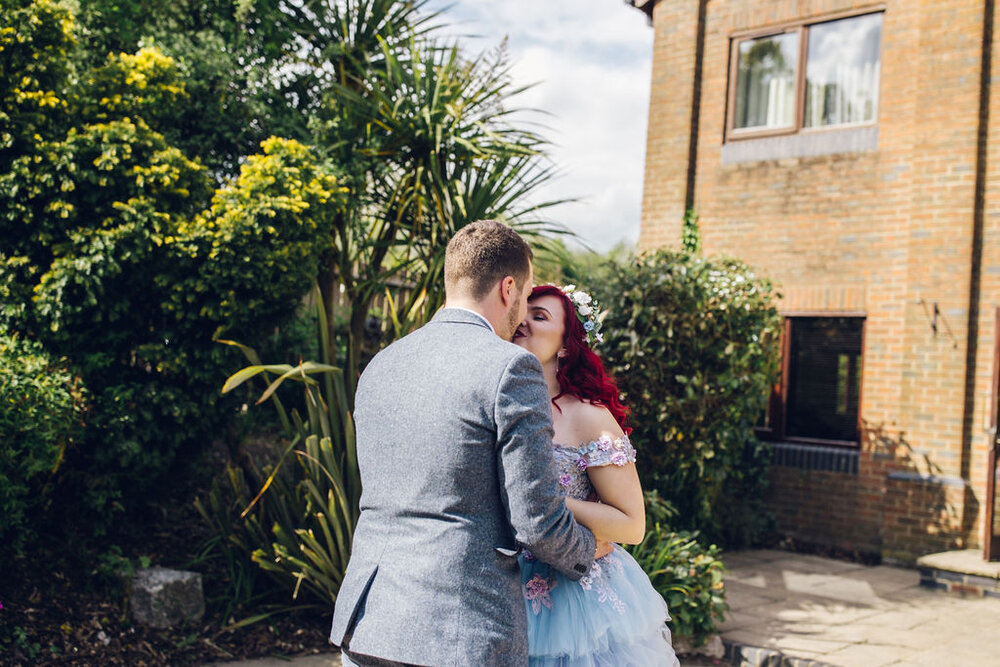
820, 442
815, 457
803, 144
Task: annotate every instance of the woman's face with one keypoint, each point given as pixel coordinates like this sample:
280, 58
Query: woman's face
541, 332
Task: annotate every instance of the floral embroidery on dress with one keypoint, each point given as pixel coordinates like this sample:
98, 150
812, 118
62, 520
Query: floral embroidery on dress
618, 452
537, 591
597, 581
573, 462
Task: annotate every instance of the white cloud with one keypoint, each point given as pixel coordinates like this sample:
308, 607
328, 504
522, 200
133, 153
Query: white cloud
590, 61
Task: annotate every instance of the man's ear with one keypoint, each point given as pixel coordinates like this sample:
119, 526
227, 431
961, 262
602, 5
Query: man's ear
508, 289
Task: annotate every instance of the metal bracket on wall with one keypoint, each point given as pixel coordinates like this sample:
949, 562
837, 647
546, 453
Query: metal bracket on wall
933, 314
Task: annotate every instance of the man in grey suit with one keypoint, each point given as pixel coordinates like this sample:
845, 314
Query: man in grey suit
454, 435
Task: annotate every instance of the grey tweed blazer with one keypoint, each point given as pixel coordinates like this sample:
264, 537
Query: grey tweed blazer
454, 434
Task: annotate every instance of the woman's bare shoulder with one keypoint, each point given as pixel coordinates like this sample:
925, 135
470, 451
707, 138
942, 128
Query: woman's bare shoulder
591, 421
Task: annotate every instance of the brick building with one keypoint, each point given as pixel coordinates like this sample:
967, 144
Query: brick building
851, 151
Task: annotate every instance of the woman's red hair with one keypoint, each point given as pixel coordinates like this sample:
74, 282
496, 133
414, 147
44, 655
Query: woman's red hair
580, 372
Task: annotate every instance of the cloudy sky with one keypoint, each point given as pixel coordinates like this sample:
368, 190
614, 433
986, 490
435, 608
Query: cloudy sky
590, 63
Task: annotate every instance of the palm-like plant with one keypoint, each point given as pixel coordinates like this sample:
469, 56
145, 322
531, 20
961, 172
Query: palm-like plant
431, 146
305, 46
299, 526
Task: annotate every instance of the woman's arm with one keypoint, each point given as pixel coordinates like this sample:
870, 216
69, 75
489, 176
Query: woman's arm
621, 515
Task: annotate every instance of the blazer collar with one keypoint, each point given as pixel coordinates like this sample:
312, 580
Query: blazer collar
463, 316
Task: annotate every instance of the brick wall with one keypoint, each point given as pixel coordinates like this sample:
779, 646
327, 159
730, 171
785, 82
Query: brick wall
888, 507
668, 138
888, 231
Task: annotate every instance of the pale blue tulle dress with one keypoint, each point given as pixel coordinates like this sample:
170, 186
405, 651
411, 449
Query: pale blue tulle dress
611, 617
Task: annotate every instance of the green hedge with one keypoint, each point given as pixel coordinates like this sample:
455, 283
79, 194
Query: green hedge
123, 254
41, 405
693, 345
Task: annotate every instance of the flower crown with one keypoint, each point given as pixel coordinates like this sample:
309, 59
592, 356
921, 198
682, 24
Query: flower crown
587, 313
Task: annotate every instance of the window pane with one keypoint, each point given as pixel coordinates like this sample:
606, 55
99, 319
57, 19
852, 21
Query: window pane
842, 71
843, 381
824, 378
765, 82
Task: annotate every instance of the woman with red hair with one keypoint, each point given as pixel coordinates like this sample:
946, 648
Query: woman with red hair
613, 615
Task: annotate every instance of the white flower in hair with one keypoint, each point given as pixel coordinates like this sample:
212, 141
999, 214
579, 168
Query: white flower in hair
587, 312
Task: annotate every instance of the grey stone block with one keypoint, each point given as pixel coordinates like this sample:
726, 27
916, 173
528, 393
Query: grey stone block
163, 598
712, 648
756, 656
981, 582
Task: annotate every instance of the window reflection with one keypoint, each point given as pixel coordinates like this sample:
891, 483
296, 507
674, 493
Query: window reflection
842, 71
765, 84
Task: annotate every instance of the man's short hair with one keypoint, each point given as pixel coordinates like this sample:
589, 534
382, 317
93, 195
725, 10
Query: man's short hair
480, 255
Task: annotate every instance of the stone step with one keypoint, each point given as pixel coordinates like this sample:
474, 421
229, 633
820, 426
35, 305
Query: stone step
960, 572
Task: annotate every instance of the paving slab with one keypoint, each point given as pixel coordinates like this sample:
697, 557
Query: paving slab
884, 579
798, 608
851, 591
919, 638
809, 563
751, 558
953, 658
741, 595
870, 655
831, 612
799, 645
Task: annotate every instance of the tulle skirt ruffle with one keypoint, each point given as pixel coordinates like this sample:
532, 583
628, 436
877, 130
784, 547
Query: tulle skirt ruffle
611, 617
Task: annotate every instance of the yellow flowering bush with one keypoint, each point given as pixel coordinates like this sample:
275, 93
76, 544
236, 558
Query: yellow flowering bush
122, 254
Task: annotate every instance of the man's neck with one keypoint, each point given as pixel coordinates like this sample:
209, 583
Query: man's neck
474, 306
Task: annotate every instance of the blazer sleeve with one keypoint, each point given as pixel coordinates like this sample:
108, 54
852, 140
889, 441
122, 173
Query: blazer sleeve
535, 508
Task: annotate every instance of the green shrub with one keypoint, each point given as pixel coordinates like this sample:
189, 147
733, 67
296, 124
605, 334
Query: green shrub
119, 257
687, 574
293, 517
136, 303
693, 345
41, 407
689, 577
120, 254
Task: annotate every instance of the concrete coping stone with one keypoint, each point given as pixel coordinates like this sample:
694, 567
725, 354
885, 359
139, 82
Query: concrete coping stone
757, 656
966, 561
938, 480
